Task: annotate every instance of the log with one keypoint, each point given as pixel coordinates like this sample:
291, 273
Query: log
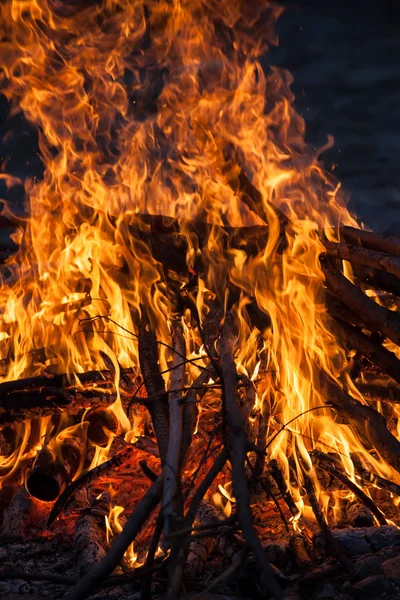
52, 471
375, 278
17, 517
378, 355
379, 392
369, 239
361, 540
99, 572
88, 537
358, 515
364, 256
366, 421
201, 548
113, 463
102, 425
376, 318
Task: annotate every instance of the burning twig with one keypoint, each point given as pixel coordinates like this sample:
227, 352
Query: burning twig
237, 443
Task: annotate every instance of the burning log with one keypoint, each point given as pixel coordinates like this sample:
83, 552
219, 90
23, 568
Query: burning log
89, 536
201, 548
102, 424
114, 556
368, 423
376, 317
54, 468
358, 515
378, 355
86, 478
389, 244
364, 256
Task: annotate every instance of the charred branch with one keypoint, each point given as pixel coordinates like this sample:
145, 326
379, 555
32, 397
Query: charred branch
237, 443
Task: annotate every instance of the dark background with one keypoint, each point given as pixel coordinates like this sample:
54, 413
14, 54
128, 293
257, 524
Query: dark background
345, 58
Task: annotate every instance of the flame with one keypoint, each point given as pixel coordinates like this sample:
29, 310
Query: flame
163, 108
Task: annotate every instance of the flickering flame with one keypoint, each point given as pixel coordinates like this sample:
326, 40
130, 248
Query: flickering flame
160, 108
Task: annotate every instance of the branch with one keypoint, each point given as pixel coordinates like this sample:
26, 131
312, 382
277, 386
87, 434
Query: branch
237, 442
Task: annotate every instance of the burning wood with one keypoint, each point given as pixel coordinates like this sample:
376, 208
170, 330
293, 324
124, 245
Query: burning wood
181, 291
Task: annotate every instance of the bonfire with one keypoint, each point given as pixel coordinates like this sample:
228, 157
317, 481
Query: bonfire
199, 343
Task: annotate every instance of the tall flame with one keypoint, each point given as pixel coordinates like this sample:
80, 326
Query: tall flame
162, 107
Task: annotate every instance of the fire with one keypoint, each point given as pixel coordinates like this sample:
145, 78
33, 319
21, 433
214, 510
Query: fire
163, 108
